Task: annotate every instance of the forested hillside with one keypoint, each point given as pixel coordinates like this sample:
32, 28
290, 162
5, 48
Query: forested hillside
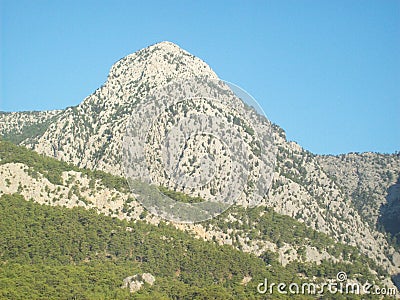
59, 253
54, 252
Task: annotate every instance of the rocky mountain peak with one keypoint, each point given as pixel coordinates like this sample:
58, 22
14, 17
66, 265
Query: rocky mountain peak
158, 64
132, 77
168, 47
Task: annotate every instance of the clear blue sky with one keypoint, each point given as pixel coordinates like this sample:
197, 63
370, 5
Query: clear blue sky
328, 72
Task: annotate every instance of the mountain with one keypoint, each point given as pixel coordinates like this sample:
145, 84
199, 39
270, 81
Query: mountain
342, 197
76, 233
90, 134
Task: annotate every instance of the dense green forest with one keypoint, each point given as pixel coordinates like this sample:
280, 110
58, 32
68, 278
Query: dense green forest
55, 252
58, 253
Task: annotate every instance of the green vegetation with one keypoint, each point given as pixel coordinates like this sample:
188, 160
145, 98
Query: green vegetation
293, 166
28, 132
51, 168
263, 223
58, 253
55, 252
178, 196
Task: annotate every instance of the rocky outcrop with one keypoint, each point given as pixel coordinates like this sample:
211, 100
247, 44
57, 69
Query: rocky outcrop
135, 282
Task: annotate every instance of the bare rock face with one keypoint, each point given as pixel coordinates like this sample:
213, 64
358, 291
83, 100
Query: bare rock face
390, 211
135, 282
365, 178
341, 196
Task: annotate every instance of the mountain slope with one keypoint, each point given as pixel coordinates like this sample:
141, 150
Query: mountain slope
59, 253
80, 241
364, 178
25, 126
305, 187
